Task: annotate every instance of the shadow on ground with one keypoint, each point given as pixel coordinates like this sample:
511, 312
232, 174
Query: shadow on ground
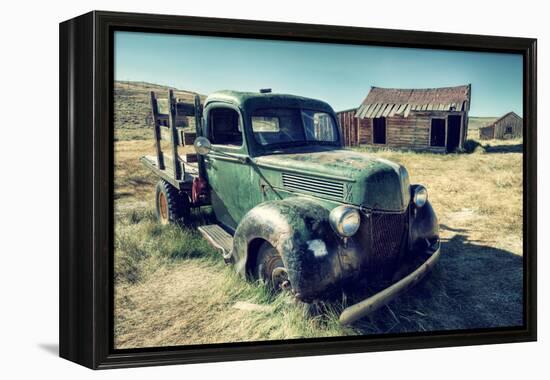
472, 286
51, 348
516, 148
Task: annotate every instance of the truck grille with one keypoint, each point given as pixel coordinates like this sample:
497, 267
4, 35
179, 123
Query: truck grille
316, 186
387, 235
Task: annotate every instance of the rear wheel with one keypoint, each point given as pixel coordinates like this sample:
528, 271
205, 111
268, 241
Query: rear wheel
270, 268
172, 205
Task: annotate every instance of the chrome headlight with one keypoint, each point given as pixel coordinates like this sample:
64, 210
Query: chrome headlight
420, 195
345, 220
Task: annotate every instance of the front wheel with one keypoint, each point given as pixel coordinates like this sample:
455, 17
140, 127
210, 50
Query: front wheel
172, 206
270, 268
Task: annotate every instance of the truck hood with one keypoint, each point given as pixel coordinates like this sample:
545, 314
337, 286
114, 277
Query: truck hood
363, 178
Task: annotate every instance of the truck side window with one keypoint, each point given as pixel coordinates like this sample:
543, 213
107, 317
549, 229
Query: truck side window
224, 125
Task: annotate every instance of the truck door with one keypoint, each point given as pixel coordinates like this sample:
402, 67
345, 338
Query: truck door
229, 178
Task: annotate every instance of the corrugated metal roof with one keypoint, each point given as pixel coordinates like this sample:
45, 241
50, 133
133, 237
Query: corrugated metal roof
384, 102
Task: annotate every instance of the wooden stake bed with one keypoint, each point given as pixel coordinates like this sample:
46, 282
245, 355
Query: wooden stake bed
176, 160
191, 171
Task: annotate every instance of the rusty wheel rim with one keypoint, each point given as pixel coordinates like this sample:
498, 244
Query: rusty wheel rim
279, 279
163, 208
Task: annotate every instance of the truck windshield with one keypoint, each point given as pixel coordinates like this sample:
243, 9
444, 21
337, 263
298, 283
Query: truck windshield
292, 126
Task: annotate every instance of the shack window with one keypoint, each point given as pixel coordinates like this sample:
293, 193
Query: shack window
225, 127
437, 134
379, 130
508, 130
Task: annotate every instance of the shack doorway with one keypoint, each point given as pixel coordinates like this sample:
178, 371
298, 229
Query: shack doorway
437, 133
379, 130
453, 132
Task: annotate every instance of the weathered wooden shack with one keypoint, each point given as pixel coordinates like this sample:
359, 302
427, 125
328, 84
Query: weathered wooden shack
509, 126
434, 119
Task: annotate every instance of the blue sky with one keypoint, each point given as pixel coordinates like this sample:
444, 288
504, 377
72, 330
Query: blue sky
339, 74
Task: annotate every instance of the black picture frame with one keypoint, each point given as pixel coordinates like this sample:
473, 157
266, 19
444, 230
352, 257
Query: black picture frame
86, 188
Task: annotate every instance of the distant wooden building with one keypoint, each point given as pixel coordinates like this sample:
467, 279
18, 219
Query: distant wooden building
434, 119
509, 126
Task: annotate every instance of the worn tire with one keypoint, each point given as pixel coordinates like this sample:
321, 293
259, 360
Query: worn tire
172, 206
270, 268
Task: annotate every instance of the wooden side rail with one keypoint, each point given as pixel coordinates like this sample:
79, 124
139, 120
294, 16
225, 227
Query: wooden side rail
172, 127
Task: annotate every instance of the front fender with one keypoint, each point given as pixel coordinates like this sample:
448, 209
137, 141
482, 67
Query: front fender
298, 228
424, 228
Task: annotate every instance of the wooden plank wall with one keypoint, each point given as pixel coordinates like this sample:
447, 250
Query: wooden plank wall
487, 133
511, 121
349, 125
365, 131
323, 129
412, 132
465, 125
401, 132
409, 132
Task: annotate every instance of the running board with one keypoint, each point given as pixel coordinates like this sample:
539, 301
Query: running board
219, 238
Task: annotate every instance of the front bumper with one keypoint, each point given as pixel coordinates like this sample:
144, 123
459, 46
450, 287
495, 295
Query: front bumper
361, 309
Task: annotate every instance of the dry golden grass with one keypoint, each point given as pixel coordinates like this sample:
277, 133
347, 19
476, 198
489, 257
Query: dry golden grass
172, 288
133, 109
474, 123
481, 192
193, 302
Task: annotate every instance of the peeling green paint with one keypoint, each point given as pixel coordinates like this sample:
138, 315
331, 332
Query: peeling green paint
367, 181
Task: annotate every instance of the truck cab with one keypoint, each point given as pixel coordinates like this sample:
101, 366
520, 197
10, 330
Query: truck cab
242, 128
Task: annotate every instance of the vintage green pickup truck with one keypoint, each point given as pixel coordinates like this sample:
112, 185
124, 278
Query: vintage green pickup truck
293, 207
